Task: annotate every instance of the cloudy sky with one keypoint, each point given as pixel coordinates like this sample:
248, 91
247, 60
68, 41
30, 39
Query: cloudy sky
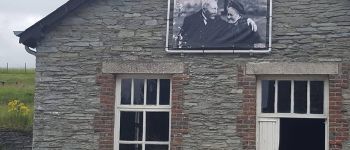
18, 15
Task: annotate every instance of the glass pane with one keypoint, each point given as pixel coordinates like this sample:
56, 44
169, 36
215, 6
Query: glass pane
268, 96
151, 92
300, 97
130, 146
138, 91
284, 101
156, 147
157, 126
301, 134
316, 97
164, 93
126, 91
131, 126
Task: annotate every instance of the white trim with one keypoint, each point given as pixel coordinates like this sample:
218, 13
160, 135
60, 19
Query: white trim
276, 97
270, 27
326, 111
143, 76
219, 51
140, 108
169, 138
118, 92
170, 113
144, 91
143, 130
278, 116
132, 92
158, 90
258, 96
308, 98
293, 77
148, 109
292, 96
326, 98
291, 115
117, 116
146, 142
167, 26
327, 133
116, 135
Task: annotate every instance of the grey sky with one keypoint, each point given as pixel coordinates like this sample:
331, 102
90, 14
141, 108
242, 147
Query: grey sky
18, 15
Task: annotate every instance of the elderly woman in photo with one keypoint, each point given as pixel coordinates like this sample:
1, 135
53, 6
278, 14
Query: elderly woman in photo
241, 33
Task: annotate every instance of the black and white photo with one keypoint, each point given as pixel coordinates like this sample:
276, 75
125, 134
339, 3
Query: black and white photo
219, 25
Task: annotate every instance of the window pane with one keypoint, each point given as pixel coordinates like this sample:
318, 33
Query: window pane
131, 126
126, 91
268, 96
157, 126
156, 147
151, 92
164, 93
300, 97
284, 101
316, 97
130, 146
138, 91
301, 134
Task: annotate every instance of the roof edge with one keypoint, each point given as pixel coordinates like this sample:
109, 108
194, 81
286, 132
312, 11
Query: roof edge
32, 35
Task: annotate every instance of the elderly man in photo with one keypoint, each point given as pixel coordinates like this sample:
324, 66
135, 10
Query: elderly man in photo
204, 28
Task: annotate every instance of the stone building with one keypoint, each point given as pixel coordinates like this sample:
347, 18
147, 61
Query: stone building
105, 81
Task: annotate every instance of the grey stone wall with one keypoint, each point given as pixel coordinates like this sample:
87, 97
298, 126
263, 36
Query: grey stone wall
10, 140
71, 55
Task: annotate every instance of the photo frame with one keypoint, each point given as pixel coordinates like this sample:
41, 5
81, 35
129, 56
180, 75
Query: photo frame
219, 26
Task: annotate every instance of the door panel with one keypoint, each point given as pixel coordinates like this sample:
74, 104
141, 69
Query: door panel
268, 134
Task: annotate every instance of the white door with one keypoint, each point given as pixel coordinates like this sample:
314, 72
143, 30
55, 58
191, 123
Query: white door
268, 134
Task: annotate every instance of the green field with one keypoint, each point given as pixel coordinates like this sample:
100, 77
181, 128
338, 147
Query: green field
16, 84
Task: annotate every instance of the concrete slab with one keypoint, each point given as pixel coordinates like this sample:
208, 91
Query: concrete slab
138, 67
292, 68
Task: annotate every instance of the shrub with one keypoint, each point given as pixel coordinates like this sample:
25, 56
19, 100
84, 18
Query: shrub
16, 116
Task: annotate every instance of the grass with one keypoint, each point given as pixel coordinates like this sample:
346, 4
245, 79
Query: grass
16, 121
17, 70
16, 84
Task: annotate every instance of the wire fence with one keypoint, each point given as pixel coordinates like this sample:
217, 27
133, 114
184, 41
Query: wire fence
9, 69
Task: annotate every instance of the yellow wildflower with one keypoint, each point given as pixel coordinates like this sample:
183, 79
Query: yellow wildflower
18, 107
24, 110
12, 105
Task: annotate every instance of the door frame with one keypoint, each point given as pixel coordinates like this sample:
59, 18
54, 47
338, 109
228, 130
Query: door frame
276, 116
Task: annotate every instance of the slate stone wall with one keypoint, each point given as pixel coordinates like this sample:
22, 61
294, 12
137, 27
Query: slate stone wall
15, 140
70, 57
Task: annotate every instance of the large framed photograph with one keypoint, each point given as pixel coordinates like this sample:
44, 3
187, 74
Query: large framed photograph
219, 26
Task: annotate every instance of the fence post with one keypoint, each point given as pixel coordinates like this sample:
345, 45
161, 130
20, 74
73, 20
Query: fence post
25, 67
7, 67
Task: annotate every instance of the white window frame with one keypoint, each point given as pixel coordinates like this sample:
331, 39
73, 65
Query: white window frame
140, 108
277, 115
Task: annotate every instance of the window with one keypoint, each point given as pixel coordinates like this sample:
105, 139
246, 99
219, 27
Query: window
292, 97
292, 112
143, 113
